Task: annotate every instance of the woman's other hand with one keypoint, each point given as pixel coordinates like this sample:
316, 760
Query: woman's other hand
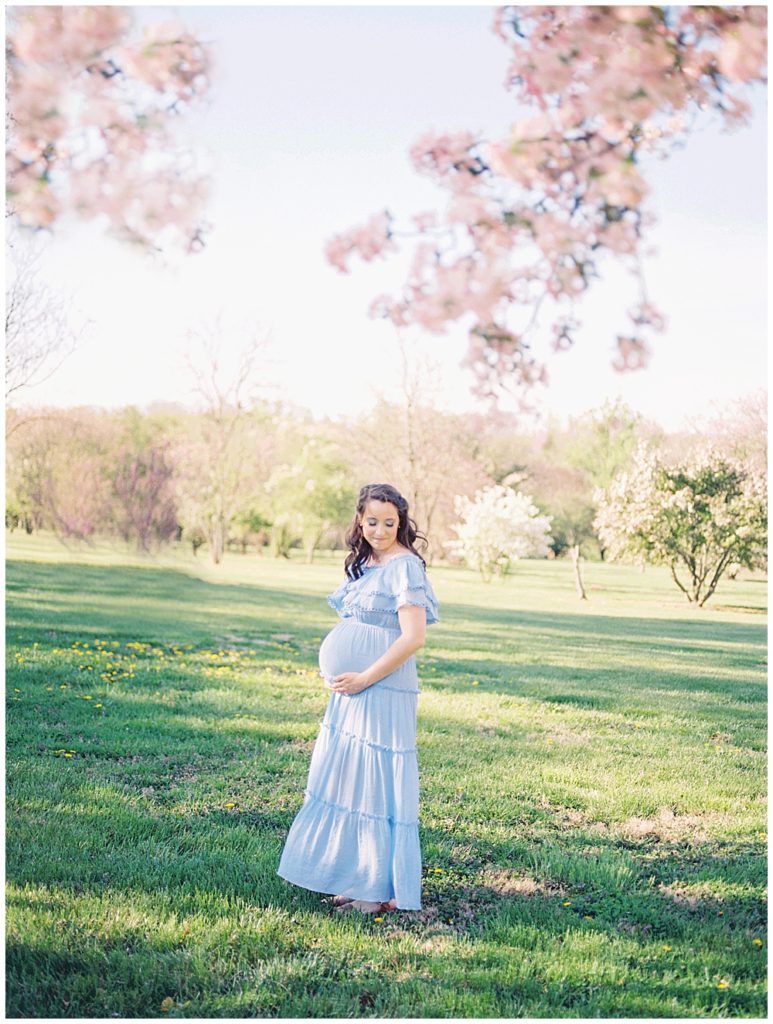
350, 682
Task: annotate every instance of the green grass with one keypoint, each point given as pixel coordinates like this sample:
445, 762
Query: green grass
593, 799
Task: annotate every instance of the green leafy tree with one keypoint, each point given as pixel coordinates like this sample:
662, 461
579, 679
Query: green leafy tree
698, 517
250, 526
571, 463
601, 442
309, 497
566, 495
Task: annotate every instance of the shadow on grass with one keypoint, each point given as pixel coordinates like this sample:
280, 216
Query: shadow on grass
170, 591
656, 634
161, 605
210, 866
145, 816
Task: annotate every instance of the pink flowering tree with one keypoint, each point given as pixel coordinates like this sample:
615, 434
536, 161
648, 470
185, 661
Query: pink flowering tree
530, 215
143, 507
91, 116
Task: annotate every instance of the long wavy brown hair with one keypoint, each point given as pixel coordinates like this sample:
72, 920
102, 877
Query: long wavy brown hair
407, 531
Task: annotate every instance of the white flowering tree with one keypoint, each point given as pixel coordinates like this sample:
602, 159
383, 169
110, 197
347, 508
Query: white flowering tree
698, 517
498, 527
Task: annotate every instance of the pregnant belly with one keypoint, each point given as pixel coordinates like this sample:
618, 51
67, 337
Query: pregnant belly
352, 647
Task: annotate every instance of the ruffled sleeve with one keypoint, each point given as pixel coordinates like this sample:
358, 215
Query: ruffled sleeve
406, 582
336, 599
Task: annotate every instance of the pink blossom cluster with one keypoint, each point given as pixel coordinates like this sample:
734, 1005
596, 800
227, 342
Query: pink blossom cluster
624, 65
369, 241
530, 215
441, 155
632, 353
90, 117
169, 59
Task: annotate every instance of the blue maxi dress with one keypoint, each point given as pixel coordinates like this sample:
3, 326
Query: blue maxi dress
357, 833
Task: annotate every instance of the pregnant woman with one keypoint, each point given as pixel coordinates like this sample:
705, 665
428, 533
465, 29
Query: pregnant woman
357, 833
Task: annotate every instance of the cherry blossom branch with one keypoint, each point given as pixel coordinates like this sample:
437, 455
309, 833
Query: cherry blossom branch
89, 116
527, 215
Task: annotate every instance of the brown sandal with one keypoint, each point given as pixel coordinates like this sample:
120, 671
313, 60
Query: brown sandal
340, 901
365, 907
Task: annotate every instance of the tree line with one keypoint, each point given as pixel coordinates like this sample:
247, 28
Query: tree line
267, 477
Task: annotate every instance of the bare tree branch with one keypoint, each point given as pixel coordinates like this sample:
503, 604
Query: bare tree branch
38, 332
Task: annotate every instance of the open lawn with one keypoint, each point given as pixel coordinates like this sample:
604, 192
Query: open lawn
592, 777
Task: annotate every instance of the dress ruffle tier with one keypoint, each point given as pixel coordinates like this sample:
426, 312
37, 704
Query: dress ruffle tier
357, 833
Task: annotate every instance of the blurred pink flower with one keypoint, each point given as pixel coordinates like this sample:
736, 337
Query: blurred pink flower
632, 354
84, 137
425, 221
530, 214
439, 154
169, 59
743, 54
336, 251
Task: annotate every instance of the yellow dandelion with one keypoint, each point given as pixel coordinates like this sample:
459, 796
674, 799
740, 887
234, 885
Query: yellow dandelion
230, 804
666, 949
723, 984
49, 688
438, 871
87, 696
720, 913
588, 917
97, 705
762, 835
567, 903
475, 682
63, 686
621, 981
68, 754
167, 1004
16, 689
378, 919
756, 942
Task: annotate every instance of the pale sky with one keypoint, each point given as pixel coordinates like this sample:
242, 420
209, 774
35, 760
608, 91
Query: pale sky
307, 128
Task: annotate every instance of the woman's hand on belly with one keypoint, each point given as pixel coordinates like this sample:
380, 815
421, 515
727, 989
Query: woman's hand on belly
350, 682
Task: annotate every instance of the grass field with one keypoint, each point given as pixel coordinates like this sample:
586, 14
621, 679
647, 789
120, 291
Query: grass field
593, 801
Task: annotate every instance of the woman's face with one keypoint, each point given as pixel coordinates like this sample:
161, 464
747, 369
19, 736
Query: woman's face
379, 522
